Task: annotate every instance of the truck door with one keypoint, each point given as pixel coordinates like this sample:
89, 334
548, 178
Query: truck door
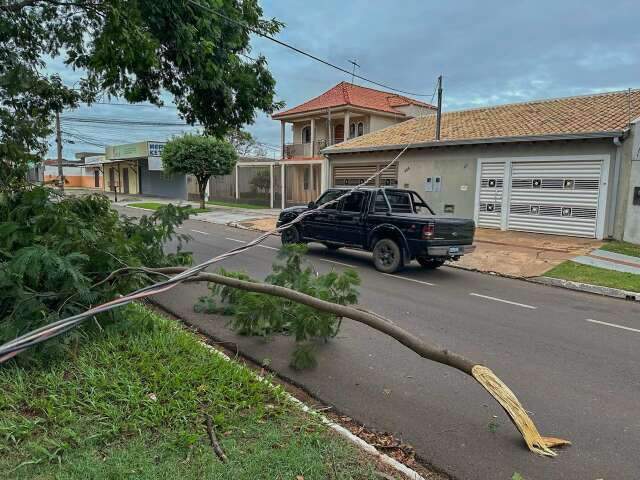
321, 224
349, 219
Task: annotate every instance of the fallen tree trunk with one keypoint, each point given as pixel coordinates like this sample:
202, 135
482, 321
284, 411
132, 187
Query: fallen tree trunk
483, 375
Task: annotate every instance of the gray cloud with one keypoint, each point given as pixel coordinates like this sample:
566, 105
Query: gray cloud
489, 52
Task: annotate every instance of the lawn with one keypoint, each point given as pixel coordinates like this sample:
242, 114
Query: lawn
236, 205
131, 403
596, 276
157, 205
624, 248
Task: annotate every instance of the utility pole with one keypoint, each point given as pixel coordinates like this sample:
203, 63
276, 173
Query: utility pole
353, 72
59, 148
439, 111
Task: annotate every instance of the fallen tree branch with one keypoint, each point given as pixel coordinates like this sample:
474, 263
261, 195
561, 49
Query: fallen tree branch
483, 375
214, 440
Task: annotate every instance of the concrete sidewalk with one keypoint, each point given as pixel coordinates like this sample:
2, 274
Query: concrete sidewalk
610, 261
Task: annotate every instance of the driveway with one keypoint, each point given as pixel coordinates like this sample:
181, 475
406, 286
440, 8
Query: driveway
570, 357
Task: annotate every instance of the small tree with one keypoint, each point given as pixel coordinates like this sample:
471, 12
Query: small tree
201, 156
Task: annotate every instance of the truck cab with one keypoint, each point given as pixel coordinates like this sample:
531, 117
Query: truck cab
396, 225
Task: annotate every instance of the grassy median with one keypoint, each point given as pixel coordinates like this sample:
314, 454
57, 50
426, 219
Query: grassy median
130, 403
625, 248
157, 205
577, 272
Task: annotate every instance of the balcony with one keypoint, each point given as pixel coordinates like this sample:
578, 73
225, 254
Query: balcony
304, 150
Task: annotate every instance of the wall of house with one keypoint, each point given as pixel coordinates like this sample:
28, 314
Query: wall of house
75, 177
458, 165
159, 184
416, 110
131, 166
378, 122
632, 212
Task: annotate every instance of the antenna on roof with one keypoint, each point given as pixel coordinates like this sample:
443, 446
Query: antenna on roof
353, 73
439, 111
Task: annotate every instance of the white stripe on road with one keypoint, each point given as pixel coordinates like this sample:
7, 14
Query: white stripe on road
613, 325
337, 263
198, 231
523, 305
242, 241
410, 279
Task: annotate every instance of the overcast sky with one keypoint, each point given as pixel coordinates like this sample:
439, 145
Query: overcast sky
490, 52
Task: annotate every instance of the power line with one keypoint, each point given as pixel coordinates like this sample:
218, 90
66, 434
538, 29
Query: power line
119, 121
147, 105
302, 52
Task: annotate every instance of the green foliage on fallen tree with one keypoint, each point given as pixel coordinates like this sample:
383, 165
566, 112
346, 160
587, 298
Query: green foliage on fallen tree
56, 253
258, 314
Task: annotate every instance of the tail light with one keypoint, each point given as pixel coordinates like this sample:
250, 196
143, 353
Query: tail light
428, 231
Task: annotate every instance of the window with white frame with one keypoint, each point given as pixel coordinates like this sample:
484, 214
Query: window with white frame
360, 129
352, 130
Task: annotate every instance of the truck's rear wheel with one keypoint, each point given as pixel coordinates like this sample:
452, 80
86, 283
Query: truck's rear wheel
290, 235
430, 263
387, 256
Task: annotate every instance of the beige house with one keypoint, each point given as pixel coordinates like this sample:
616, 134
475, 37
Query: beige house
344, 112
568, 166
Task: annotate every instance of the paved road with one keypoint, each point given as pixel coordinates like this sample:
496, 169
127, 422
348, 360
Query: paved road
572, 358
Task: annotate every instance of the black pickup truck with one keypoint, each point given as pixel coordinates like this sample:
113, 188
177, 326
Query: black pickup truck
395, 224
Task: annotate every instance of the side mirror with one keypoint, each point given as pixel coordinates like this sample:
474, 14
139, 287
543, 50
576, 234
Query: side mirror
311, 205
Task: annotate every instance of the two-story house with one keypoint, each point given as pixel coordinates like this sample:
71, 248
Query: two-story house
345, 111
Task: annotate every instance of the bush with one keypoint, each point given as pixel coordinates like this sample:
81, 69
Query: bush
258, 314
55, 251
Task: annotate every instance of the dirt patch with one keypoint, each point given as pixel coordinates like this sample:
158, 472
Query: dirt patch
261, 224
520, 254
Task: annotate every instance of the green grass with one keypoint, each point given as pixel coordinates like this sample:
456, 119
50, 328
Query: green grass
625, 248
236, 205
595, 276
157, 205
131, 402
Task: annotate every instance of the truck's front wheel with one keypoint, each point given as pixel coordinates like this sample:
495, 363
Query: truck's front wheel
430, 263
387, 256
290, 235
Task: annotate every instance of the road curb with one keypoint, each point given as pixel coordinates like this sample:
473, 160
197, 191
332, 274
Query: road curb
341, 430
560, 283
587, 287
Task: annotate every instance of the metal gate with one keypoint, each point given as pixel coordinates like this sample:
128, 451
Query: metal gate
491, 194
555, 197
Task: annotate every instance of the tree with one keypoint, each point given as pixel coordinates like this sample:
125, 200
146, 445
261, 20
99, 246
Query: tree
261, 181
201, 156
196, 50
244, 143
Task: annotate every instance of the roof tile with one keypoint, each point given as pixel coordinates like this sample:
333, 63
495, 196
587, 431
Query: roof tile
349, 94
606, 112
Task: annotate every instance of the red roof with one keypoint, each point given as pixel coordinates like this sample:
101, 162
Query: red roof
348, 94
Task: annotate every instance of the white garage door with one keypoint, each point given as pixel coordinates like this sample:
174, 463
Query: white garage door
491, 192
555, 197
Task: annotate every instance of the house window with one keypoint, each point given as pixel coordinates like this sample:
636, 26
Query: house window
306, 177
352, 130
306, 134
360, 129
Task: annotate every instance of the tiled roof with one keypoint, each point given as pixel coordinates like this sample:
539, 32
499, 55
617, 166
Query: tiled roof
348, 94
589, 114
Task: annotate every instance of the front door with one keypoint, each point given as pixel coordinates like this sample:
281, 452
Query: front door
112, 179
349, 222
125, 180
338, 135
96, 178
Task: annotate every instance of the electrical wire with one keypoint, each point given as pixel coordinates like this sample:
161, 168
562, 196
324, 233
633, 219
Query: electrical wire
300, 51
12, 348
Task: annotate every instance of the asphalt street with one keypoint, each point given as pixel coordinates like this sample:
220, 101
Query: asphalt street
571, 358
